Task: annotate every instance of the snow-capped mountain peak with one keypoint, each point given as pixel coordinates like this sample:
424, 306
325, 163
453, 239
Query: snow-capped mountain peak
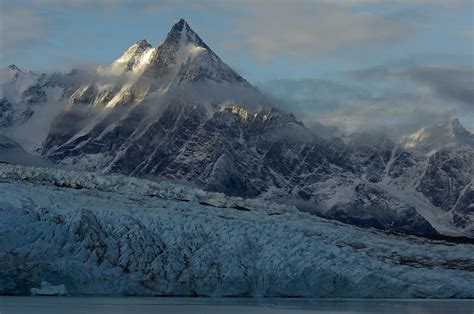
460, 132
134, 51
181, 33
183, 57
14, 68
16, 84
143, 43
11, 74
133, 60
431, 139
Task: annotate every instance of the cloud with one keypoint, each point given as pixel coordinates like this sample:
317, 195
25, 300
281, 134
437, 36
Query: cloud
451, 84
300, 30
20, 26
55, 28
468, 33
276, 29
404, 2
455, 85
400, 98
137, 6
388, 95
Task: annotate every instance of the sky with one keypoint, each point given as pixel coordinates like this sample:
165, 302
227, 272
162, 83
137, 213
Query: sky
353, 63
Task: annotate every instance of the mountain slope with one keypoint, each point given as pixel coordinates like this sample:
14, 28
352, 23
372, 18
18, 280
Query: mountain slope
29, 102
431, 139
12, 153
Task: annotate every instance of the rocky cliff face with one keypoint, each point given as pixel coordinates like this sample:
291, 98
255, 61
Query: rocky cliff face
177, 111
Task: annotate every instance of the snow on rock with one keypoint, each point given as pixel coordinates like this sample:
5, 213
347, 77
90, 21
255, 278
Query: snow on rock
48, 289
433, 138
28, 104
116, 235
132, 61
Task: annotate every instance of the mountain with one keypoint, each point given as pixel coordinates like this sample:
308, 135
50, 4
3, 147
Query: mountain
11, 152
182, 114
448, 171
183, 57
431, 139
19, 88
115, 235
29, 102
177, 112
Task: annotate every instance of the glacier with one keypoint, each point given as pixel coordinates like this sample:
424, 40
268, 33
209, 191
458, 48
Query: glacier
47, 289
116, 235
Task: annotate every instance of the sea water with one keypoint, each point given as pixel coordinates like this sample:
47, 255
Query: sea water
181, 305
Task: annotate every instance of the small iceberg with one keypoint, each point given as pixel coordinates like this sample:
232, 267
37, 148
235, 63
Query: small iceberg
48, 289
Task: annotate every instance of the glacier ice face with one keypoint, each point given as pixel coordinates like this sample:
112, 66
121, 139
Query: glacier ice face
100, 234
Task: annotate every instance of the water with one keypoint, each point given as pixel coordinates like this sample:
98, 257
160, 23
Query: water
176, 305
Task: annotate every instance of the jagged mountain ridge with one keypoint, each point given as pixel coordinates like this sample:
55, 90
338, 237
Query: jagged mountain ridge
29, 102
433, 138
22, 89
185, 57
178, 112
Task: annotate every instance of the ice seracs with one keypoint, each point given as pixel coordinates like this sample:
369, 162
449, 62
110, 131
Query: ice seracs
116, 235
48, 289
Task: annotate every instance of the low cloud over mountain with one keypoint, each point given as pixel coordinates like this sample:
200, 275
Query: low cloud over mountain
395, 97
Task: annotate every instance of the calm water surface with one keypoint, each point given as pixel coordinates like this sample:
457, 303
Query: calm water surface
119, 305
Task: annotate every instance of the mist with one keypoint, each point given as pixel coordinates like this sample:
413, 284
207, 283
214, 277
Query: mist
394, 100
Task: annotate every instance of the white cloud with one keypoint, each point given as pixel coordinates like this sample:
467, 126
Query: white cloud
397, 97
275, 29
299, 29
404, 2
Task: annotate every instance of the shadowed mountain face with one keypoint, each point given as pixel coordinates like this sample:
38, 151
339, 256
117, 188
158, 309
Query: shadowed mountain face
177, 111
